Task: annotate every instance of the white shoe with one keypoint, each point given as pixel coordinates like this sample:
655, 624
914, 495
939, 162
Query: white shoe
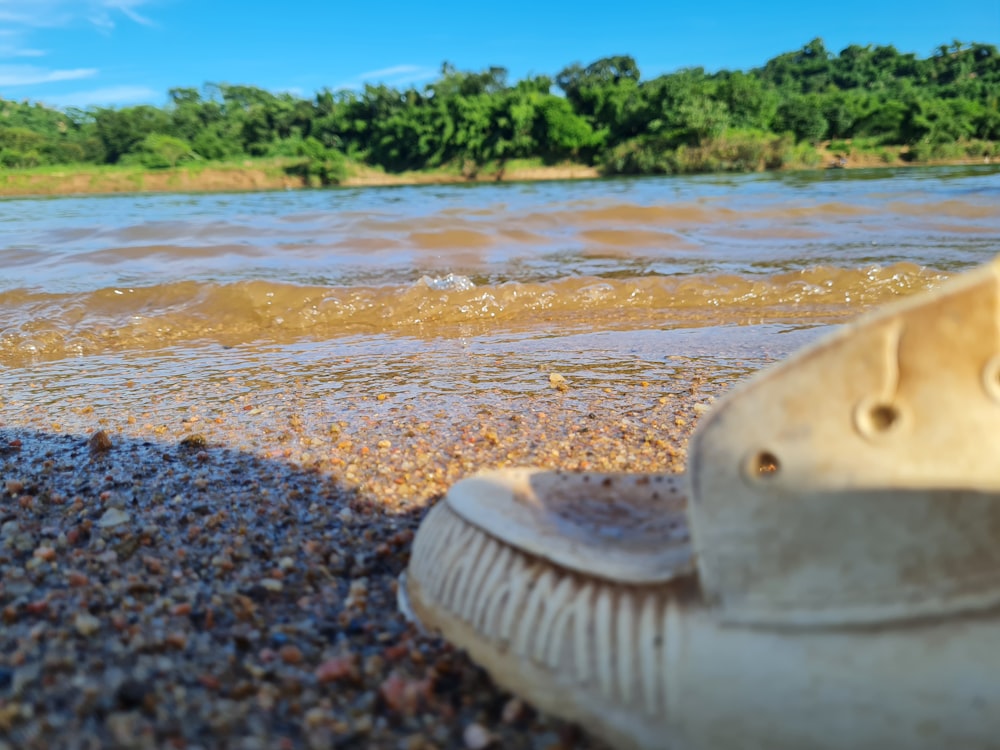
841, 584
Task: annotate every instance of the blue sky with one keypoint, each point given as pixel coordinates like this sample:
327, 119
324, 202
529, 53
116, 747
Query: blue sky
120, 52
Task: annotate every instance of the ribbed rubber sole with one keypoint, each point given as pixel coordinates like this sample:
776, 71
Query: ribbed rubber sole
590, 651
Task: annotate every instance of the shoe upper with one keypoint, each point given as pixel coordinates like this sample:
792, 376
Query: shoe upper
859, 480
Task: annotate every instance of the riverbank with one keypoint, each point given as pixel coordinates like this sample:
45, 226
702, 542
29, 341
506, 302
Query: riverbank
254, 175
286, 174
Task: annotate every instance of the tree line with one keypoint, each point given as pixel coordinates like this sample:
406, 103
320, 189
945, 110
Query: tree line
605, 115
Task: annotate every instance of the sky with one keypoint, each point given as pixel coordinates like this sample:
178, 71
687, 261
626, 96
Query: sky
80, 53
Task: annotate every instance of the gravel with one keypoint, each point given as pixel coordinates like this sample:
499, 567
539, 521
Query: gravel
172, 583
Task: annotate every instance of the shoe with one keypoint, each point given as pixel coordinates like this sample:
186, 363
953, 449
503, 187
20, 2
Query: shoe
825, 575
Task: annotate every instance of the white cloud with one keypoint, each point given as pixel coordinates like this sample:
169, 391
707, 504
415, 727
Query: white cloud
24, 19
395, 70
397, 75
128, 8
54, 13
12, 50
106, 97
26, 75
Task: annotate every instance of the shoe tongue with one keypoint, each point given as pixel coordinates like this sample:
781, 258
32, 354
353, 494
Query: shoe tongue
630, 528
859, 480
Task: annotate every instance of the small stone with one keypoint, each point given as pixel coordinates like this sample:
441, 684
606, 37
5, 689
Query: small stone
99, 442
513, 711
44, 553
272, 584
557, 381
477, 737
336, 669
113, 517
193, 442
315, 717
86, 624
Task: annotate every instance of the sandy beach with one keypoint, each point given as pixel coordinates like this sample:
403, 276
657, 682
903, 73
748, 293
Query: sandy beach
229, 581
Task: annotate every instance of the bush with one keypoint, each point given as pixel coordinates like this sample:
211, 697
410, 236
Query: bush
804, 155
638, 156
14, 159
736, 151
158, 151
322, 165
208, 144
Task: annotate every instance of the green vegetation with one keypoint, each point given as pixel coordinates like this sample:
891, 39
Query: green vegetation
868, 100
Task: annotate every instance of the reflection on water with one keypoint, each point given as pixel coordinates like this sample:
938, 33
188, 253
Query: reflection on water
458, 289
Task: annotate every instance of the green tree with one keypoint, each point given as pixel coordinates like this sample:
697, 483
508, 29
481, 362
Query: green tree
122, 130
802, 116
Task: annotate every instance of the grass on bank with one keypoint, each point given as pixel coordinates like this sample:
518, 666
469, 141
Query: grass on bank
733, 151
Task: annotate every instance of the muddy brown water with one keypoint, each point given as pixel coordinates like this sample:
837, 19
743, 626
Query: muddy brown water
463, 290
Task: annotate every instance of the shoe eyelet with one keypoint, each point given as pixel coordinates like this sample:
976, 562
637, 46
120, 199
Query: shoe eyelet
762, 466
991, 377
877, 418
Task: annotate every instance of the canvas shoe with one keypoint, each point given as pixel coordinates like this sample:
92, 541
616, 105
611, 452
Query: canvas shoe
825, 575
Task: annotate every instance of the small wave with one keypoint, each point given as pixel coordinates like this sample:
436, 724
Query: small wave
451, 282
46, 325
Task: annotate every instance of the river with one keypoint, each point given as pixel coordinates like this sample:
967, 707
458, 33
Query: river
459, 294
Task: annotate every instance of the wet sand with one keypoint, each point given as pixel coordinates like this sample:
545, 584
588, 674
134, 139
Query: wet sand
228, 578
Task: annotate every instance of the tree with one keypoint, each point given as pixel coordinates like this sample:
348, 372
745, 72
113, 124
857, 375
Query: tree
751, 102
607, 91
122, 130
802, 116
560, 132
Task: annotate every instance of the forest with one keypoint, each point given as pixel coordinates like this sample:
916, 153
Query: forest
602, 114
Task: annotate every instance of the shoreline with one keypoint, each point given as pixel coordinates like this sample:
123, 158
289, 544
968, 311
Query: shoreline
265, 175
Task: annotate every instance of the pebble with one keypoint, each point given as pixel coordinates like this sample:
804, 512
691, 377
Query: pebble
99, 442
477, 737
113, 517
86, 624
338, 668
513, 711
44, 553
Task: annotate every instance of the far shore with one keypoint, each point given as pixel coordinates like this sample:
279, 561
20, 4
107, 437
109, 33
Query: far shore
273, 174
